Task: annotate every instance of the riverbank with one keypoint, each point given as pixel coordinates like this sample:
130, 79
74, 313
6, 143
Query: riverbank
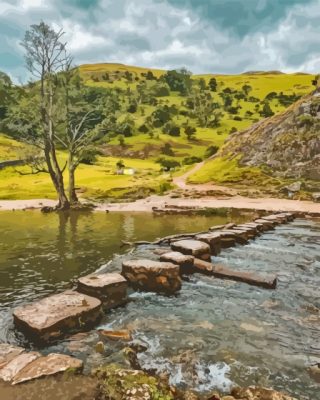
148, 204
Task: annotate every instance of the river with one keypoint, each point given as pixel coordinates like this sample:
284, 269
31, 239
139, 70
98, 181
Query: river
215, 334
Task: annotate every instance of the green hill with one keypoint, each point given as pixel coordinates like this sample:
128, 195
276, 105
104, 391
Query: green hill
151, 115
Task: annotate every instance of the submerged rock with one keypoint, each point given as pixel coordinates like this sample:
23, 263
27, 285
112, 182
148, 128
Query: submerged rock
195, 248
118, 384
110, 288
256, 393
123, 334
57, 315
154, 276
219, 271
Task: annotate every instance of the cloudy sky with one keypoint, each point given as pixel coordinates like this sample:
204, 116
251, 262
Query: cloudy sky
206, 36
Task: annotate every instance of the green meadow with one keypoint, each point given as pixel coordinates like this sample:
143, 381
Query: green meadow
141, 151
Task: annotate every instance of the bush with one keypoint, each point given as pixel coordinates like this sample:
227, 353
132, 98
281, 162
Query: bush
132, 108
237, 118
89, 156
211, 150
191, 160
143, 128
167, 150
171, 129
168, 164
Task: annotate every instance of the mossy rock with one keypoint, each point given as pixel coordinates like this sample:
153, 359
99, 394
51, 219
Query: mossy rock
116, 383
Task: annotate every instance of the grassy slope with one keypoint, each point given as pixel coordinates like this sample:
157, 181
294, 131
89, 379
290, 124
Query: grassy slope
99, 180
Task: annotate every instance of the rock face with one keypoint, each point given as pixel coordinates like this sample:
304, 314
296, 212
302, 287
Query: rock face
110, 288
195, 248
184, 261
154, 276
57, 315
51, 364
288, 143
222, 272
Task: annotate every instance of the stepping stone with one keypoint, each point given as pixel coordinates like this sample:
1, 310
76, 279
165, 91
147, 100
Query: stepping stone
227, 238
184, 261
213, 239
195, 248
222, 272
257, 226
123, 334
240, 236
252, 231
51, 364
10, 370
153, 276
57, 315
202, 267
267, 224
110, 288
8, 352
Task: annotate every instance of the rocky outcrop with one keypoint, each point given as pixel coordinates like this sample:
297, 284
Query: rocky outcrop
110, 288
153, 276
287, 144
57, 315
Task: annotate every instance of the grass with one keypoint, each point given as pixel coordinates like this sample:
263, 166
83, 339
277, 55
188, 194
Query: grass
227, 171
99, 181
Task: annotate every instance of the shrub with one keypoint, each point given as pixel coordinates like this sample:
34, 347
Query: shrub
237, 118
191, 160
211, 150
167, 164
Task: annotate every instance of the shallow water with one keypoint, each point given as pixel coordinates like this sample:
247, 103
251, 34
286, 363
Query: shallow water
214, 334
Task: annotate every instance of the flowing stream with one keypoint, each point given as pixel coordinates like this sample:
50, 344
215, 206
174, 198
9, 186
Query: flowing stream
214, 334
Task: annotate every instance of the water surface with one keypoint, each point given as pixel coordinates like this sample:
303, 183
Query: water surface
215, 334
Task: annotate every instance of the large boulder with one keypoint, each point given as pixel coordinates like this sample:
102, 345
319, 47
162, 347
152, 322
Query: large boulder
57, 315
110, 288
192, 247
153, 276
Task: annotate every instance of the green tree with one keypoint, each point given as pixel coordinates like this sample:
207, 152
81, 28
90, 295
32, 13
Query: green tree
190, 132
246, 89
213, 84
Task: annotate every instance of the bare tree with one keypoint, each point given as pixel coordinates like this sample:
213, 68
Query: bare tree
45, 57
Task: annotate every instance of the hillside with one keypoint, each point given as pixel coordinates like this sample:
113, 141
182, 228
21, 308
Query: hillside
285, 147
173, 119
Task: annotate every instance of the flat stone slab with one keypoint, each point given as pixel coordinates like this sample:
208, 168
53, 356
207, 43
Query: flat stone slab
267, 224
51, 364
240, 236
110, 288
9, 371
8, 352
154, 276
57, 315
219, 271
202, 267
195, 248
213, 239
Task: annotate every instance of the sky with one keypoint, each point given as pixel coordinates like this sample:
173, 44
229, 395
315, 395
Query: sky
205, 36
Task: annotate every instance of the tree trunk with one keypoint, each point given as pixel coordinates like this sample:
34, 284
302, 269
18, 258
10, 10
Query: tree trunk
72, 191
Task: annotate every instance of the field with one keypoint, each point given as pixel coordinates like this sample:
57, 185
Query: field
141, 150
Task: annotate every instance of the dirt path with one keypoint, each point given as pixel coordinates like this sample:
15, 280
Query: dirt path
181, 182
146, 205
